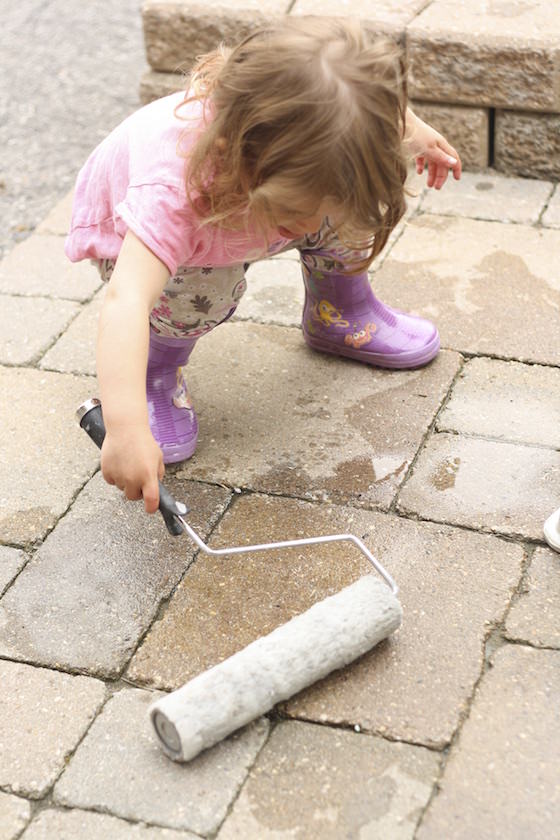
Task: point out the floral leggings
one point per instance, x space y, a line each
195 300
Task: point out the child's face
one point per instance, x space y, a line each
296 228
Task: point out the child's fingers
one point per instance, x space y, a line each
420 164
453 160
132 492
441 177
150 492
439 164
432 171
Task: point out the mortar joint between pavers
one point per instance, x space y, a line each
357 729
521 590
32 546
164 602
468 354
493 439
528 644
554 190
35 807
316 496
493 640
34 362
105 811
380 260
252 319
47 799
10 583
272 725
69 670
394 506
476 218
515 538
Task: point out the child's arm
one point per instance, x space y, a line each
130 457
427 146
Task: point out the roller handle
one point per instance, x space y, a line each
90 418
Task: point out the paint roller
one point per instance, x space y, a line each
329 635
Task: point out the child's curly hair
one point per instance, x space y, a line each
306 110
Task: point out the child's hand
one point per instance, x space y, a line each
429 147
132 460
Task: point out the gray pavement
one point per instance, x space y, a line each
448 730
70 73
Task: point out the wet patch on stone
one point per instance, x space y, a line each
444 477
491 290
313 781
304 424
483 484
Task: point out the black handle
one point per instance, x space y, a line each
90 418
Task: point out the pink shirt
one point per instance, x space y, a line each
135 180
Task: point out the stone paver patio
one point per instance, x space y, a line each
450 729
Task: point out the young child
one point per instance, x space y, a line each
299 137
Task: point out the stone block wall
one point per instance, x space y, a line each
484 72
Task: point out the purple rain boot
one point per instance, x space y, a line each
342 316
172 419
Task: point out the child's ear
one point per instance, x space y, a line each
221 144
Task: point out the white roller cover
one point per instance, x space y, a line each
328 636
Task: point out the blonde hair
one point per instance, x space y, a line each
306 110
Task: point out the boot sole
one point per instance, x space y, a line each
398 361
173 453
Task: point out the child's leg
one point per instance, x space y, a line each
342 315
194 301
173 421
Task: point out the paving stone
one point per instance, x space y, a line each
466 129
533 617
135 780
274 295
415 185
95 584
501 779
46 457
314 781
498 53
490 196
14 815
11 562
491 288
154 85
304 423
43 716
30 325
86 825
385 17
483 484
527 144
58 220
74 352
177 31
406 688
505 400
551 218
39 266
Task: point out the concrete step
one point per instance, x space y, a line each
486 72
